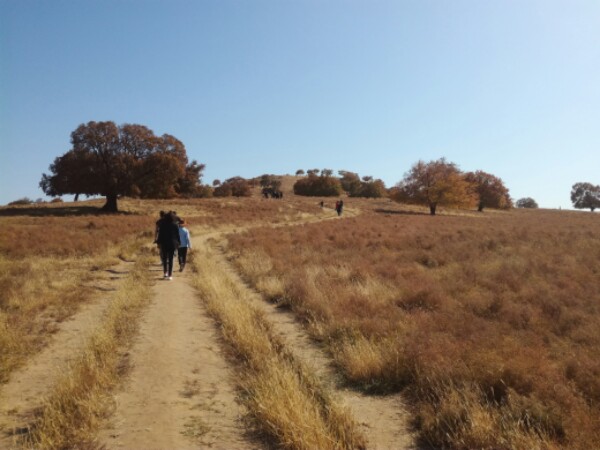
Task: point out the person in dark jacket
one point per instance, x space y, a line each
168 241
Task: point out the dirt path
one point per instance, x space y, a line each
27 386
178 393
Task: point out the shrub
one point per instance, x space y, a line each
318 186
527 202
21 201
236 187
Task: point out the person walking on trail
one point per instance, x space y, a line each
184 244
158 222
339 207
168 242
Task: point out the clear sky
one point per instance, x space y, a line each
257 86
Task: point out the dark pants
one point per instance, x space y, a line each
182 255
166 256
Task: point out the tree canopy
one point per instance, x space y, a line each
314 185
435 183
489 189
527 202
110 160
585 195
366 187
234 187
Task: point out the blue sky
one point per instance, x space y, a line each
253 87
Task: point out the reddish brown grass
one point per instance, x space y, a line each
490 322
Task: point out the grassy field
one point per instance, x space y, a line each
490 322
51 254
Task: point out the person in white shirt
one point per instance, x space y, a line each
185 243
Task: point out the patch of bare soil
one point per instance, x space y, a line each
25 390
178 394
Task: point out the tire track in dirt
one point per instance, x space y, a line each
23 394
178 394
383 419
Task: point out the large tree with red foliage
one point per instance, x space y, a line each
489 189
110 160
434 183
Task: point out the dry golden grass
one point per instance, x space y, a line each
491 322
48 266
51 255
285 401
72 411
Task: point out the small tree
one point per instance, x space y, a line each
527 202
436 183
585 195
371 188
300 172
21 201
270 181
216 182
350 182
190 185
236 187
318 186
490 190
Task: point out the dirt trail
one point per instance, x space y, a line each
25 390
383 419
178 393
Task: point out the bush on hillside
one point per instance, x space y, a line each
527 202
233 187
318 186
21 201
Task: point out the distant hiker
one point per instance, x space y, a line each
185 243
339 207
168 242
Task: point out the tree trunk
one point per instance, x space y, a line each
480 207
432 209
111 203
592 208
76 198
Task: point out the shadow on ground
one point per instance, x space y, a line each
399 212
58 212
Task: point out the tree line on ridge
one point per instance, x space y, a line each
130 160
